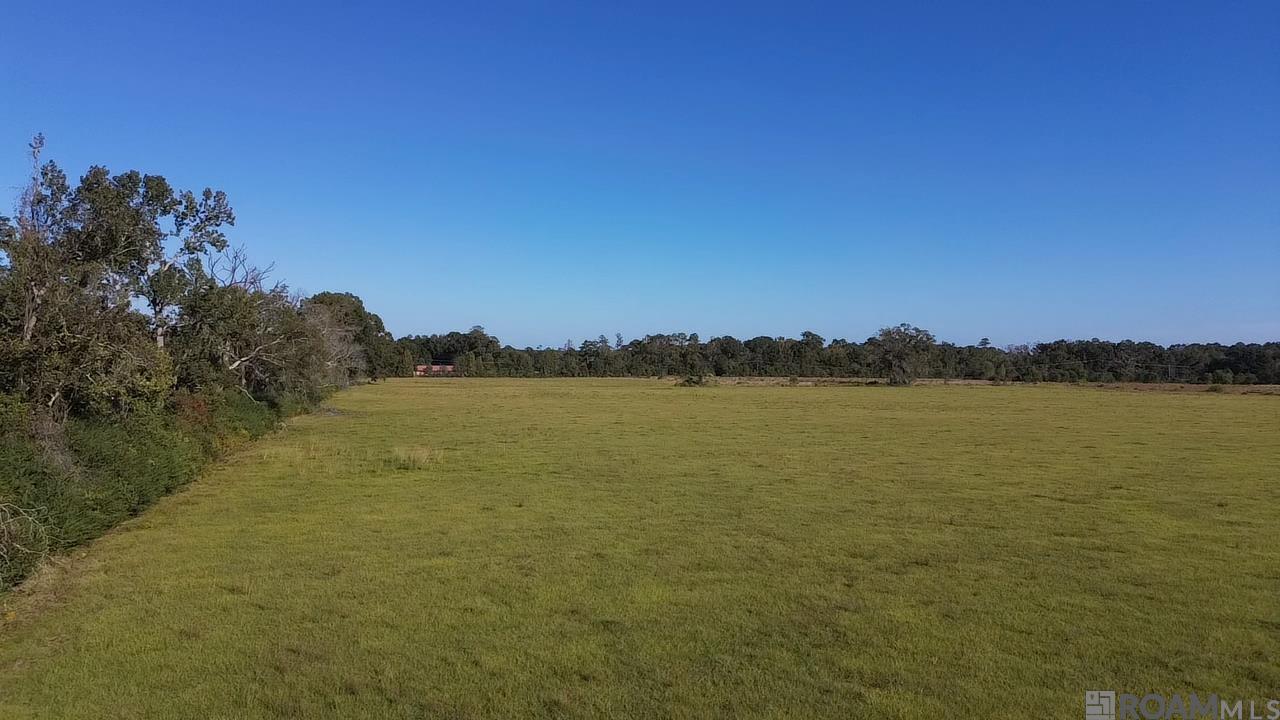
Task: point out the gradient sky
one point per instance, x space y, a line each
1022 171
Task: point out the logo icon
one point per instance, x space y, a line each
1099 705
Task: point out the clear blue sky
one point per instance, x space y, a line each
1023 171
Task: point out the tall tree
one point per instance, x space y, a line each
73 258
381 358
902 352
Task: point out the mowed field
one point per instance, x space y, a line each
626 548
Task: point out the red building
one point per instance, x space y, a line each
434 368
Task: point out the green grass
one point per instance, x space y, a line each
562 548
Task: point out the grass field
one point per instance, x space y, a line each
492 548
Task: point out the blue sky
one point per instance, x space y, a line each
1021 171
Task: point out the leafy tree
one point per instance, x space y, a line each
902 352
196 227
73 258
380 356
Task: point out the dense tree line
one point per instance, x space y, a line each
898 354
135 343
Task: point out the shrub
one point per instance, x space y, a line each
293 403
122 466
239 414
14 414
222 421
24 542
61 485
24 537
21 463
694 380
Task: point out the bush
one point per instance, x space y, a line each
696 380
23 535
293 403
21 463
236 414
222 421
69 483
122 467
24 542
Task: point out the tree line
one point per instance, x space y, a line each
897 354
136 343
